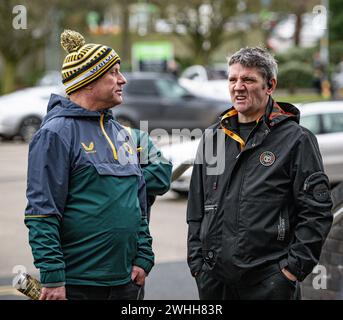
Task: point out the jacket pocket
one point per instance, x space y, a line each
117 170
283 226
208 222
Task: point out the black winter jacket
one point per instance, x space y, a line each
260 203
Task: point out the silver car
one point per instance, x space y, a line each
22 111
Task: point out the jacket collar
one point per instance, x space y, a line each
59 106
275 113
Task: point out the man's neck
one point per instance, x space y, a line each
85 102
250 118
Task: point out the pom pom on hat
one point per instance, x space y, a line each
71 40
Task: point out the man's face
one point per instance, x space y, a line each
108 89
248 89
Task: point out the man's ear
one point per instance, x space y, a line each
271 86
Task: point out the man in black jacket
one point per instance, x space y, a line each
259 206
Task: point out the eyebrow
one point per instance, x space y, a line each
114 68
244 78
249 78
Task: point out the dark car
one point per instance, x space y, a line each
161 100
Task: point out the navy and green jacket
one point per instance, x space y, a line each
157 170
86 210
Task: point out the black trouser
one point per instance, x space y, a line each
129 291
274 286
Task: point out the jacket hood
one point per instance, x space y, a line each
59 106
279 111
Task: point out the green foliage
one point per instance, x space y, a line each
298 97
336 20
336 52
295 74
184 62
303 55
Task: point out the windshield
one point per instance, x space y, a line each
171 89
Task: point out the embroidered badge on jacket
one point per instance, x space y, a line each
267 158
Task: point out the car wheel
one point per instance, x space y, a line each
126 122
29 127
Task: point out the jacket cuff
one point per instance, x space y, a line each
293 269
195 270
144 264
54 278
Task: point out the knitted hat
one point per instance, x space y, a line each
85 62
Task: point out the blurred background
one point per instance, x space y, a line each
159 35
174 56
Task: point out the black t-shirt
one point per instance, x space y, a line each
245 129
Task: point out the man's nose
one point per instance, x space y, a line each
122 79
239 85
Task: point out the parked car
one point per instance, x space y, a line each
324 119
21 112
206 81
164 103
50 78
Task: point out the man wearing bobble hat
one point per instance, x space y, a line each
86 210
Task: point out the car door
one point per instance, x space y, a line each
331 145
141 102
182 109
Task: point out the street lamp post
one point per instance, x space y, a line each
324 49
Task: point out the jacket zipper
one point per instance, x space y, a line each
240 186
107 137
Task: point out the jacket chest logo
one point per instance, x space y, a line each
267 158
89 148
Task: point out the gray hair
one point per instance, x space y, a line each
257 58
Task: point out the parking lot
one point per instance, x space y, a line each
170 278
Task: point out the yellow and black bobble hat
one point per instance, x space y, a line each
85 62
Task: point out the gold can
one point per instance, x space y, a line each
28 285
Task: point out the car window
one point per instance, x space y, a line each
143 87
311 122
170 89
217 75
333 122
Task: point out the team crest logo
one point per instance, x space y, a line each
127 148
267 158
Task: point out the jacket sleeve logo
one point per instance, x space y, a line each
89 148
267 158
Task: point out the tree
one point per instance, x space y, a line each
124 6
335 31
204 23
298 7
16 43
336 20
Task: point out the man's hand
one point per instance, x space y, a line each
138 275
289 275
57 293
